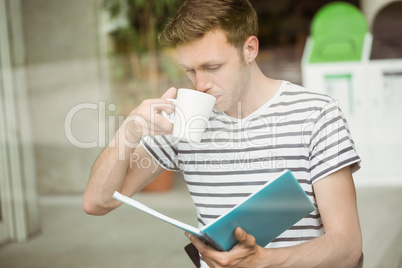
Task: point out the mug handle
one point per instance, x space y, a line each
170 117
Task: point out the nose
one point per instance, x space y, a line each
202 81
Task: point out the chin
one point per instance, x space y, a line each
221 106
218 108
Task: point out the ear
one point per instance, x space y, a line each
251 47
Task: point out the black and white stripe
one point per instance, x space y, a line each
298 130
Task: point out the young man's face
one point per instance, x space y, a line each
216 67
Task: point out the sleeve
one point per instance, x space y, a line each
162 150
331 145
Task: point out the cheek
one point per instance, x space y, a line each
232 83
227 81
228 99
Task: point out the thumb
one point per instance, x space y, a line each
244 237
170 93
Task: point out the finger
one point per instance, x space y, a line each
170 93
203 249
195 241
158 125
163 125
156 106
244 238
212 257
166 107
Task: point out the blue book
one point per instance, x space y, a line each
265 214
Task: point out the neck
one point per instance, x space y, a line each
261 89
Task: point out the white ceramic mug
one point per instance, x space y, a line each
191 115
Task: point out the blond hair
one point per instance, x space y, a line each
237 18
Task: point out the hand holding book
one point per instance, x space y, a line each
265 214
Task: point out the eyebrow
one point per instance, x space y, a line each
202 65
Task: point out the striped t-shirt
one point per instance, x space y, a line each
297 129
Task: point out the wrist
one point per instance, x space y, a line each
129 133
273 257
123 144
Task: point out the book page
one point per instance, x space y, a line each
150 211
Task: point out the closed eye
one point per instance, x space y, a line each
190 71
212 67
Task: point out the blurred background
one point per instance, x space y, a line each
71 70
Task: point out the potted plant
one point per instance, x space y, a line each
164 182
140 69
139 65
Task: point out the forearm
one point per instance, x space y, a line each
329 250
108 175
112 171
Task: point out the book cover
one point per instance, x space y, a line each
265 214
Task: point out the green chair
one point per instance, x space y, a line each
338 30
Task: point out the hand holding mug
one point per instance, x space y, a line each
191 114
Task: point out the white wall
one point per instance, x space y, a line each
64 69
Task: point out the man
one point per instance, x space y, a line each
259 127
